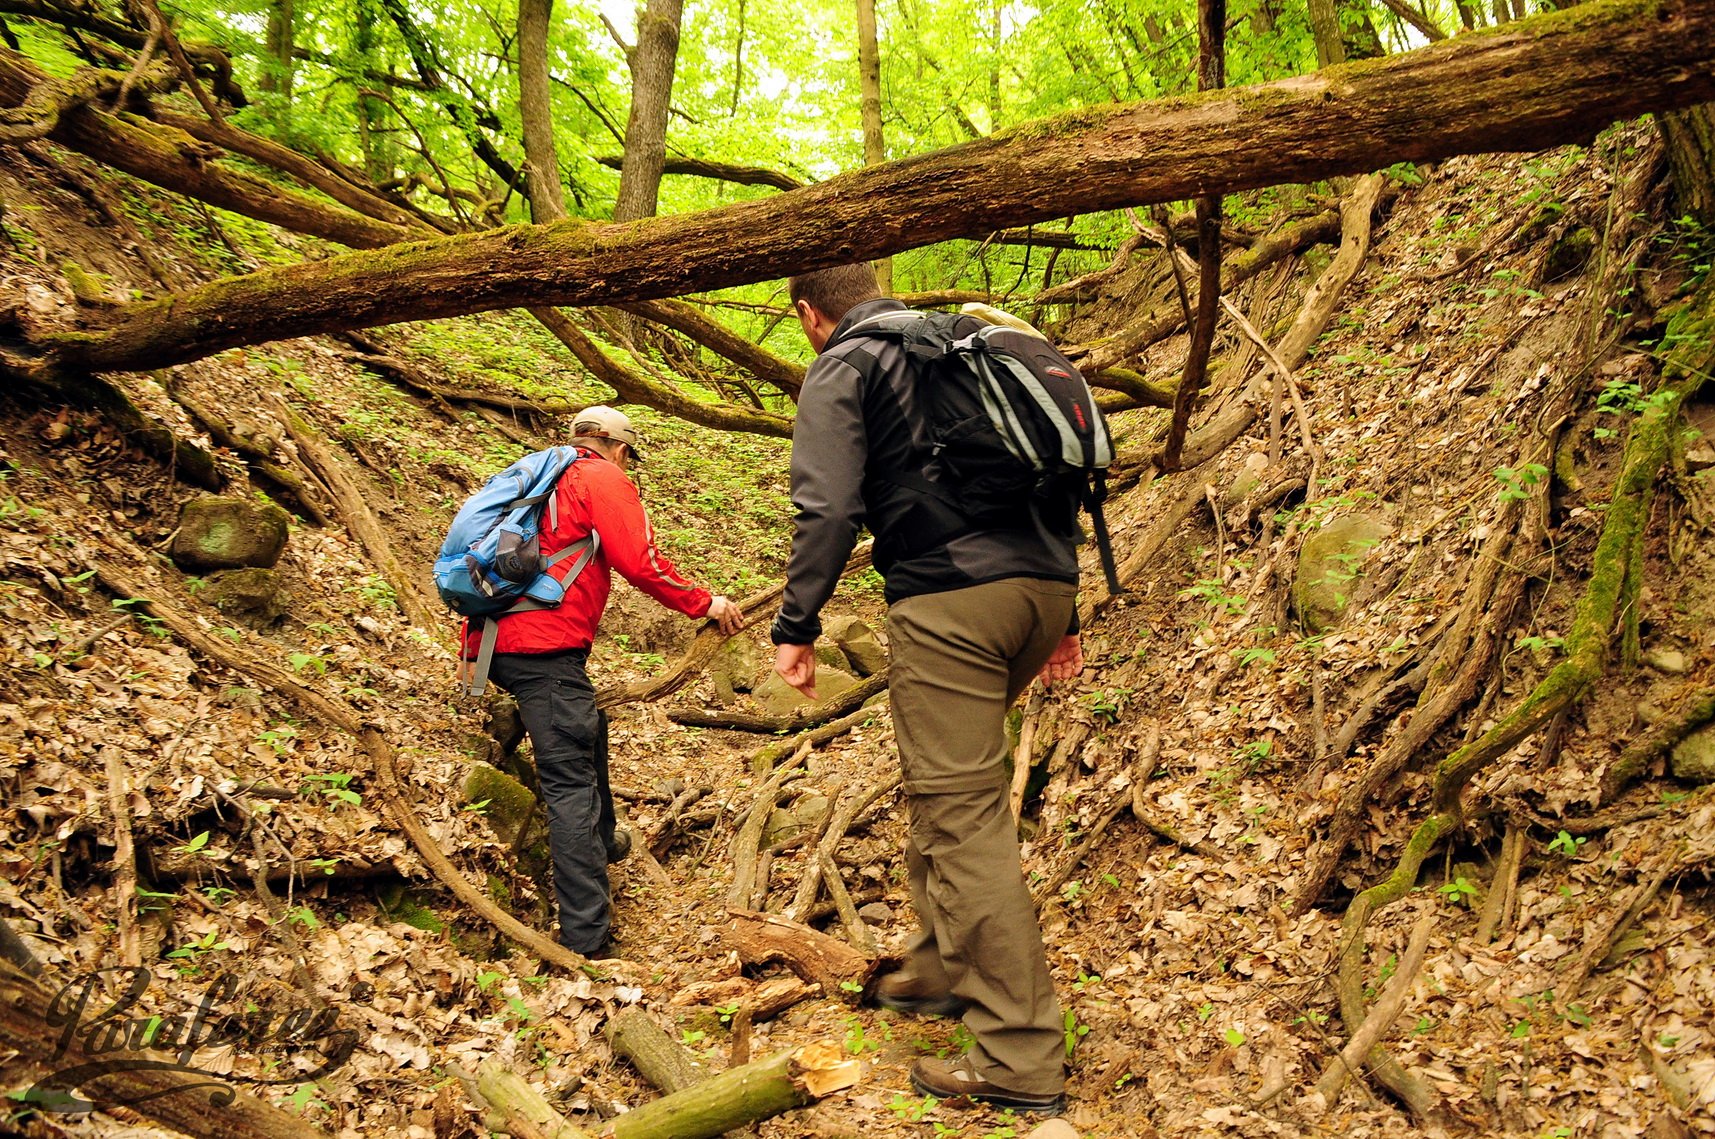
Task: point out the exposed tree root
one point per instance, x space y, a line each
1600 941
1586 648
1456 671
1381 1017
805 716
1502 900
838 822
285 481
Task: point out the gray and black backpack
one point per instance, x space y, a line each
1012 423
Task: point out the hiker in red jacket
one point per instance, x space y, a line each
540 657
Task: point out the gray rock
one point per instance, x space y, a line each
250 592
830 656
775 697
859 644
1694 756
228 533
877 912
1667 661
737 664
788 822
1328 567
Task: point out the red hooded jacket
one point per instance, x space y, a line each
594 494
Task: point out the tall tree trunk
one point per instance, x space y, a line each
1534 84
536 109
277 69
869 83
1690 137
1325 28
653 61
738 61
370 112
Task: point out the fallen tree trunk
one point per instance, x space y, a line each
761 939
743 1095
664 1062
1532 84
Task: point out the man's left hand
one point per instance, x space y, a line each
726 614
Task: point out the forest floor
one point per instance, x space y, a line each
1195 1003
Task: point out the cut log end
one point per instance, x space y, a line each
822 1068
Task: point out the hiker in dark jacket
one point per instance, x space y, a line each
540 658
974 615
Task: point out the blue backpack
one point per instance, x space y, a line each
491 563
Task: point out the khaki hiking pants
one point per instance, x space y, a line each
959 660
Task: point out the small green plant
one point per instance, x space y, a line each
149 901
1252 755
1516 484
192 952
850 987
218 894
1072 891
304 916
301 661
195 845
912 1110
691 1037
857 1043
727 1012
1541 644
1075 1031
1248 657
1107 704
1460 891
335 786
1564 843
1233 1036
1211 592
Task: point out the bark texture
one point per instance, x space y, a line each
653 62
1533 84
537 111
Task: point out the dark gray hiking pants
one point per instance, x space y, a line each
568 734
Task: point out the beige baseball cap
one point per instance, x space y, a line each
603 422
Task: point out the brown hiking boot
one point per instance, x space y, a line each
954 1080
902 993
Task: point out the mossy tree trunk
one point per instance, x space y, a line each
1534 84
1690 138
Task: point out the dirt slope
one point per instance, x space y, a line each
1474 372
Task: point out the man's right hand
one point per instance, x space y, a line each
796 665
726 614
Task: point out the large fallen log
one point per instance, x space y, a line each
736 1098
1532 84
